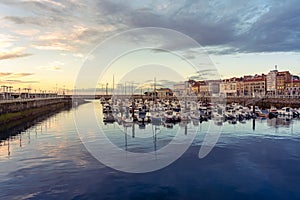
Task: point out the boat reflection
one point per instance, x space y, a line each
280 122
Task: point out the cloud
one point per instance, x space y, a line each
15 75
5 73
73 39
54 46
11 78
51 68
229 26
149 84
52 3
27 32
19 75
11 55
205 74
276 30
19 81
6 40
222 27
14 53
49 21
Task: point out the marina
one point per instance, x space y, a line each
149 100
166 111
48 160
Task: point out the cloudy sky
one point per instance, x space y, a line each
44 43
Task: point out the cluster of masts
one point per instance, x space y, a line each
169 112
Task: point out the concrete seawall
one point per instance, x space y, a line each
15 111
266 102
11 106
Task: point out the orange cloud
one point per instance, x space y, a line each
14 53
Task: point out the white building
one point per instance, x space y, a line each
271 82
179 89
228 88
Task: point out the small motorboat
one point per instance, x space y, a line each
273 113
109 118
263 114
285 111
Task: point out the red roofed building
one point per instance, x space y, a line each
231 86
255 85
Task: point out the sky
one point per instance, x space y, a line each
44 44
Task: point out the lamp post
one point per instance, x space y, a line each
106 89
9 91
25 91
4 91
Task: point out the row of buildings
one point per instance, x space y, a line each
274 83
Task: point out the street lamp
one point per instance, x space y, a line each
63 90
29 89
106 89
9 90
4 88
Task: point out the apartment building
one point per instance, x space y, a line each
255 85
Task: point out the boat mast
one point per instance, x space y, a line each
113 89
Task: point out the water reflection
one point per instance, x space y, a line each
21 138
280 122
23 131
47 160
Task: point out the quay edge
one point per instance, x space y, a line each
262 102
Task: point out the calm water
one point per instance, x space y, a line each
48 161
